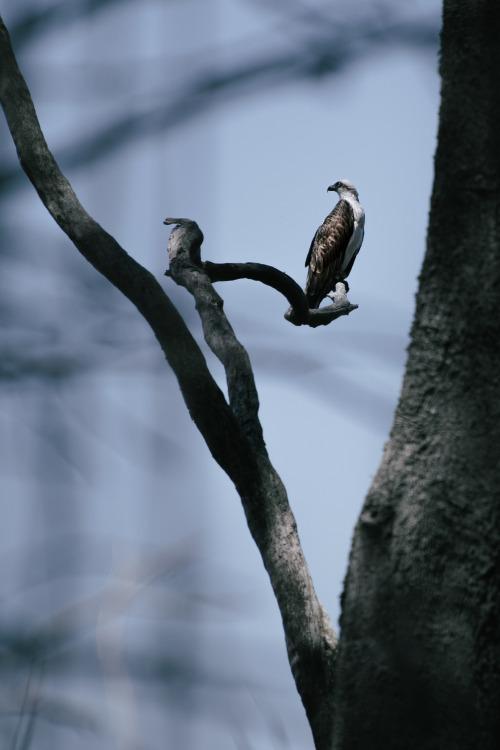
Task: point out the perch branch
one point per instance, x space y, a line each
298 313
267 275
324 315
234 443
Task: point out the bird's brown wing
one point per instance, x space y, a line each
327 251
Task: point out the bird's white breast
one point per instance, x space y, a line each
358 233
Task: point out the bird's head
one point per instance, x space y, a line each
344 187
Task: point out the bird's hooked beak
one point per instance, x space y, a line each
331 188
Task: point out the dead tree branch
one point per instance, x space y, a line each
298 313
232 431
267 275
185 268
324 315
310 637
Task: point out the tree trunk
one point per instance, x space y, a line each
419 657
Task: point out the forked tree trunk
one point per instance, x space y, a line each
419 660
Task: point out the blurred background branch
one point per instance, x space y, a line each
315 42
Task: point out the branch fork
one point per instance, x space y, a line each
185 243
310 637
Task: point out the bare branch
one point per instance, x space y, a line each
324 315
203 397
298 312
267 275
185 268
310 636
232 432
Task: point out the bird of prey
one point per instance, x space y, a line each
335 245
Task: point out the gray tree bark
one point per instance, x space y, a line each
419 654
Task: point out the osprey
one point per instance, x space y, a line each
335 244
